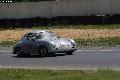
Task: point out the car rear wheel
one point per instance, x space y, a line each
70 53
19 52
43 51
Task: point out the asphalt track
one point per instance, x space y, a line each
80 60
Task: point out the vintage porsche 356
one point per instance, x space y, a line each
43 42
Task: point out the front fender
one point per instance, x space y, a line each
45 43
19 44
14 47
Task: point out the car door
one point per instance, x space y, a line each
24 41
30 44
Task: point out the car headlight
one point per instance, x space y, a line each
72 42
53 44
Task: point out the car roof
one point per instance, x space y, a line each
38 31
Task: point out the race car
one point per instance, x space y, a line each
43 42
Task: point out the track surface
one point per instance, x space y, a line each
80 60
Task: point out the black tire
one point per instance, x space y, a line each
19 52
43 51
69 53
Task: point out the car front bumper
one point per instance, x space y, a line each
62 49
14 50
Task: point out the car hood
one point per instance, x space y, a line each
58 40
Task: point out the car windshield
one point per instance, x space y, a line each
45 34
48 34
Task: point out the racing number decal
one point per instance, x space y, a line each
28 46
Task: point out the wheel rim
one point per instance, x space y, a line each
43 51
19 51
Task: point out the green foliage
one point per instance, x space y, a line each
107 26
26 74
7 43
110 41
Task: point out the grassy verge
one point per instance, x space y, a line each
109 41
8 43
26 74
107 26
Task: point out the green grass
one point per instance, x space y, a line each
110 26
110 41
105 26
7 43
27 74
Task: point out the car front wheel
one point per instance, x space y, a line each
19 52
43 51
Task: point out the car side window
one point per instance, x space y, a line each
24 38
30 36
38 36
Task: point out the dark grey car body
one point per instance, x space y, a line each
32 42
